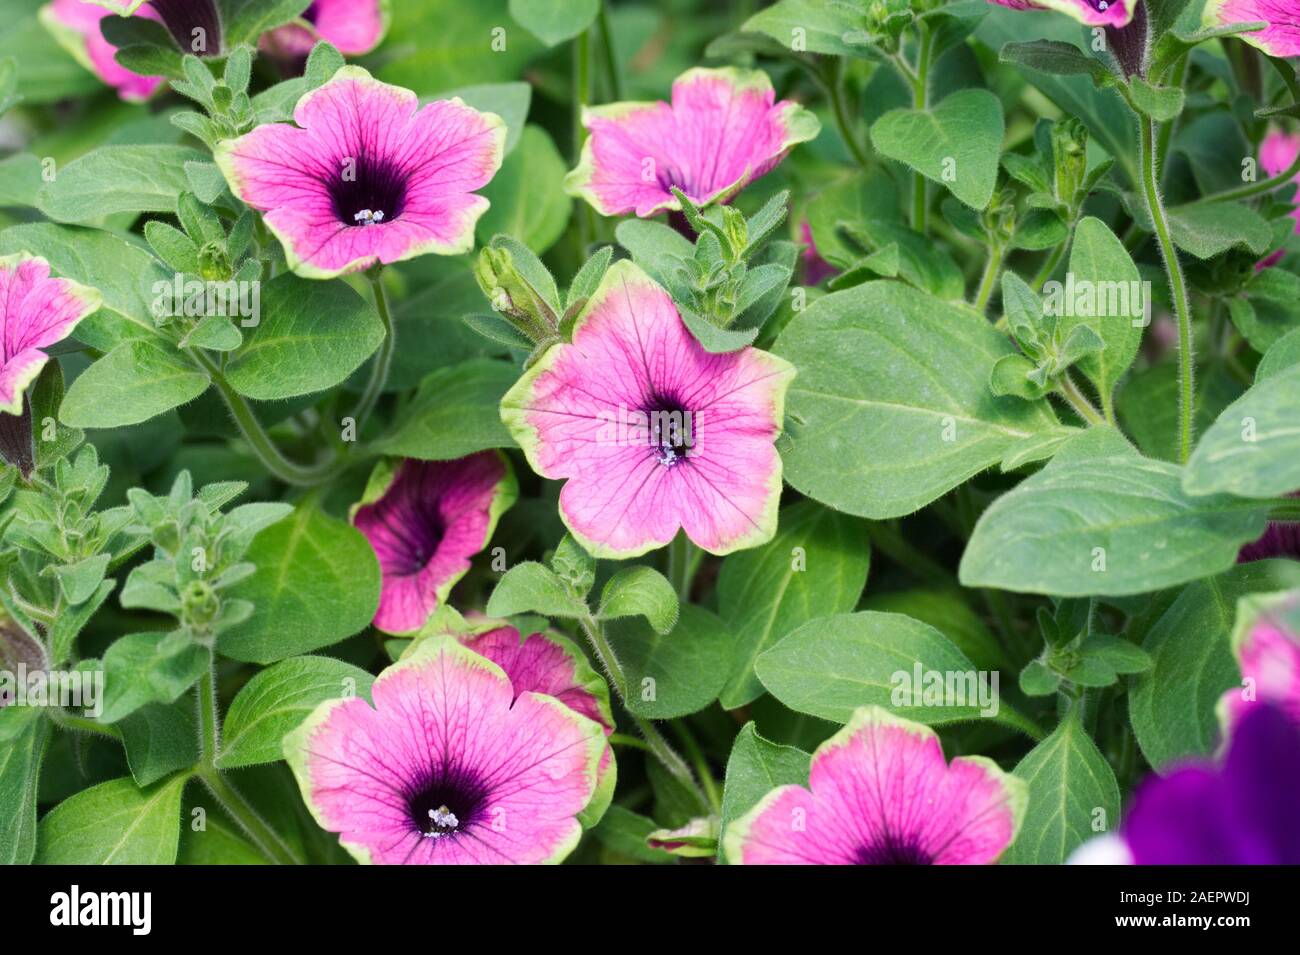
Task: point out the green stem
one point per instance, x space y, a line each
383 358
835 92
920 94
611 62
82 725
1077 400
655 741
696 756
1177 288
1167 130
259 441
581 97
1050 264
989 279
263 836
683 559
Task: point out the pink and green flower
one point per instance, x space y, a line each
36 311
652 433
880 793
354 27
722 130
425 520
1280 38
550 663
76 26
365 176
1095 13
450 766
1266 642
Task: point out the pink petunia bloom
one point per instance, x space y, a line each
365 177
425 520
652 432
1097 13
1276 154
1267 645
76 26
722 130
354 27
1280 38
36 311
550 663
451 766
195 25
881 794
815 269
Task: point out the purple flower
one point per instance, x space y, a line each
722 130
365 177
1114 13
425 520
1242 812
653 433
354 27
195 25
76 26
1280 38
451 766
880 793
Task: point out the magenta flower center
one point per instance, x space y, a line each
891 850
446 801
420 530
184 17
368 193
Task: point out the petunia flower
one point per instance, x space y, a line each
652 432
195 25
354 27
1281 38
425 520
815 269
1240 813
880 793
1097 13
722 130
548 662
1276 154
1267 645
36 311
365 177
451 765
76 26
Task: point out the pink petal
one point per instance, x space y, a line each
75 24
1281 38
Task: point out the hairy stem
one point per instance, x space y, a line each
1177 288
920 95
992 267
835 92
611 62
383 358
1077 400
683 559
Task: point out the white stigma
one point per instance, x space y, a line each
1103 6
367 217
444 819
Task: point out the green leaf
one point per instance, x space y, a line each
323 62
1073 796
135 381
317 582
172 246
1148 406
1282 355
677 673
815 26
1055 57
277 700
554 21
831 666
245 20
640 591
951 615
1161 103
623 833
114 823
70 623
454 413
756 767
160 738
20 770
527 194
955 144
143 668
1172 705
79 581
510 101
118 179
1116 307
530 587
1107 524
816 565
1212 228
891 408
1253 447
214 332
311 336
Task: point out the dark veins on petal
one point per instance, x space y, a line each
183 17
367 192
445 800
411 514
